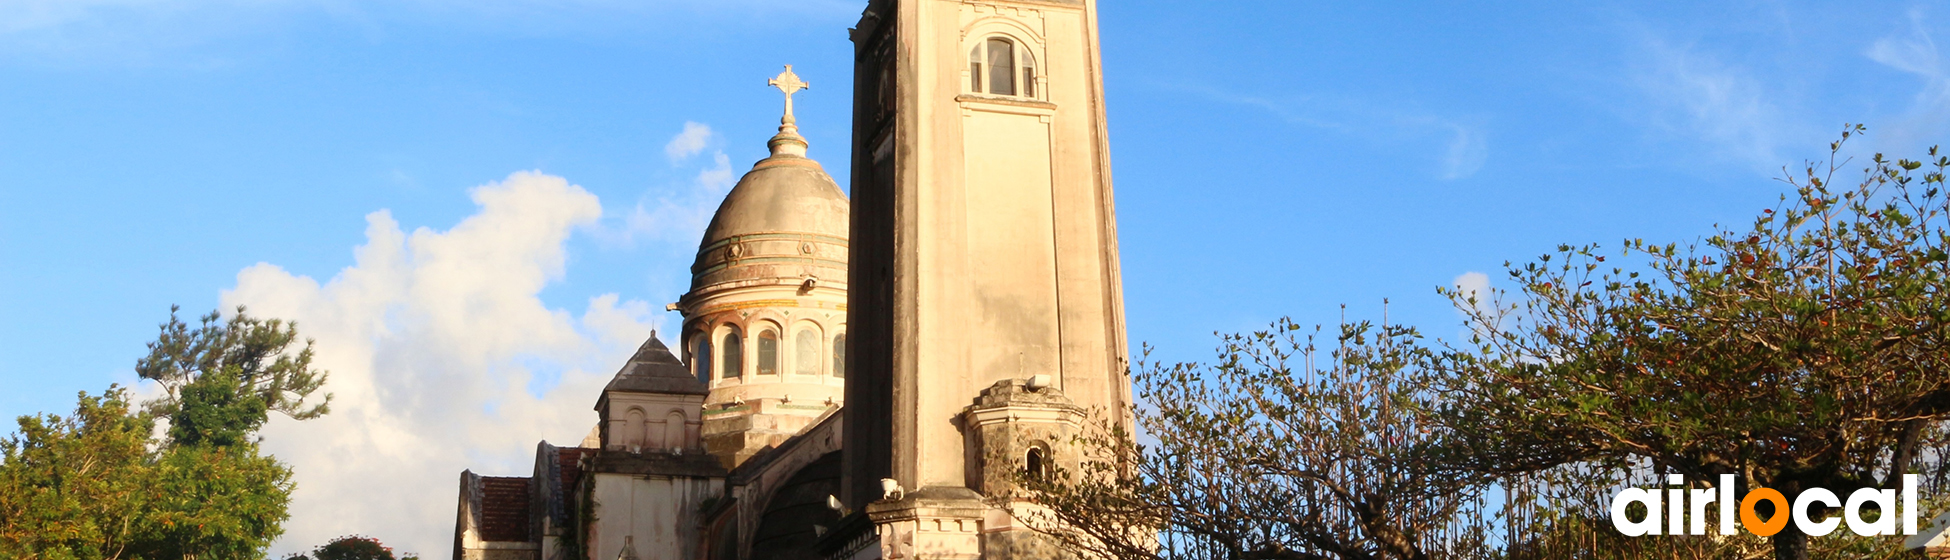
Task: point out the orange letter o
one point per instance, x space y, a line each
1752 521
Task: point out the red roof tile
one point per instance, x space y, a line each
504 508
570 460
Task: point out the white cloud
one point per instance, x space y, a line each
1695 95
1916 53
679 216
1474 285
718 178
689 142
433 340
1465 155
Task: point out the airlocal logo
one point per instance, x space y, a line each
1676 500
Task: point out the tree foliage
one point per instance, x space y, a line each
1810 349
72 487
1278 450
216 502
97 485
216 409
257 352
351 547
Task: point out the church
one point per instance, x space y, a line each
863 378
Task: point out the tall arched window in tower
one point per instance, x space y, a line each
701 359
996 64
805 350
1002 66
734 355
1036 463
768 352
839 356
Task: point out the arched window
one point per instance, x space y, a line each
805 349
734 356
975 69
839 356
1028 64
1036 463
996 65
768 352
701 359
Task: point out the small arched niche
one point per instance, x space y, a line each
674 436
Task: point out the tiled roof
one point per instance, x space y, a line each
504 508
570 460
655 370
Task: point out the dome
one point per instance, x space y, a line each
786 219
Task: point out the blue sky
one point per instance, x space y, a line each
482 205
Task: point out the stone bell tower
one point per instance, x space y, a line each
984 261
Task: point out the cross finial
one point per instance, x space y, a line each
789 83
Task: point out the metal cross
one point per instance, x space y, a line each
789 83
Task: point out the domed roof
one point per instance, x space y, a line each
783 193
786 219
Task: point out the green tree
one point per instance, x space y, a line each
216 409
214 502
74 487
257 352
352 547
1811 349
1278 450
95 485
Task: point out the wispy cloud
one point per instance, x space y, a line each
1916 52
1736 114
689 142
1457 147
1466 153
434 340
677 214
681 215
1474 285
1473 289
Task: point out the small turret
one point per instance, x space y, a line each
652 405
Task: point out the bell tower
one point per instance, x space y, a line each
984 258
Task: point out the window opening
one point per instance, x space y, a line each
807 349
1034 465
839 356
975 69
1028 75
734 356
768 353
701 359
1002 67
